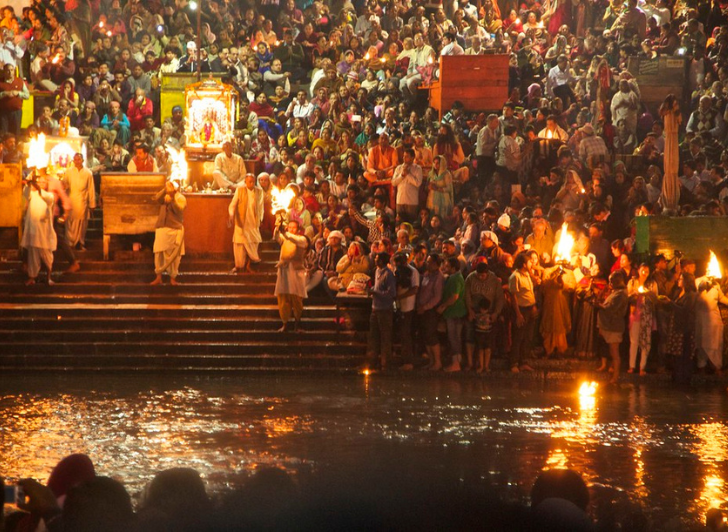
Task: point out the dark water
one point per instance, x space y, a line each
664 449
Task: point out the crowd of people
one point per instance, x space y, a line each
76 498
453 221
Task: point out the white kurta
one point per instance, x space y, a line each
38 229
709 326
291 272
82 193
247 227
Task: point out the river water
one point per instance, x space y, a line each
663 449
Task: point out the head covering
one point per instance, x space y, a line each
504 220
336 234
69 472
588 129
490 235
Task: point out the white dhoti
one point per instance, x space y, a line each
36 256
169 246
39 238
244 251
247 211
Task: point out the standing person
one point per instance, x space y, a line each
169 235
453 310
229 168
408 284
488 138
428 298
408 178
291 279
246 212
642 292
683 329
381 321
556 320
59 219
482 284
440 195
520 286
13 91
610 320
39 238
83 199
709 325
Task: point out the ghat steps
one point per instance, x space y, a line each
107 317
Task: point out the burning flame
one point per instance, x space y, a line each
430 60
587 396
55 59
714 267
565 245
101 24
641 289
518 21
179 166
366 56
549 134
588 389
37 156
282 199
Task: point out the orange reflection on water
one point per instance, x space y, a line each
711 449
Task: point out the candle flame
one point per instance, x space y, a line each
518 21
429 59
565 245
108 33
714 267
549 134
55 59
101 24
641 289
366 56
282 199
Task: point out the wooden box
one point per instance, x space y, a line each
128 204
479 82
659 77
11 197
693 236
206 225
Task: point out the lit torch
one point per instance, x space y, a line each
179 166
281 199
37 156
565 246
714 271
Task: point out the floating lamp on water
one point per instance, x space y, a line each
587 395
588 389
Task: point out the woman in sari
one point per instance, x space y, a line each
440 191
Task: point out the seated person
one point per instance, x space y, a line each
382 161
229 168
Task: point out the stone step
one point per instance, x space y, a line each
174 335
82 348
59 310
81 285
192 266
192 362
141 322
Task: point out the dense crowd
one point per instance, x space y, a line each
455 221
76 498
